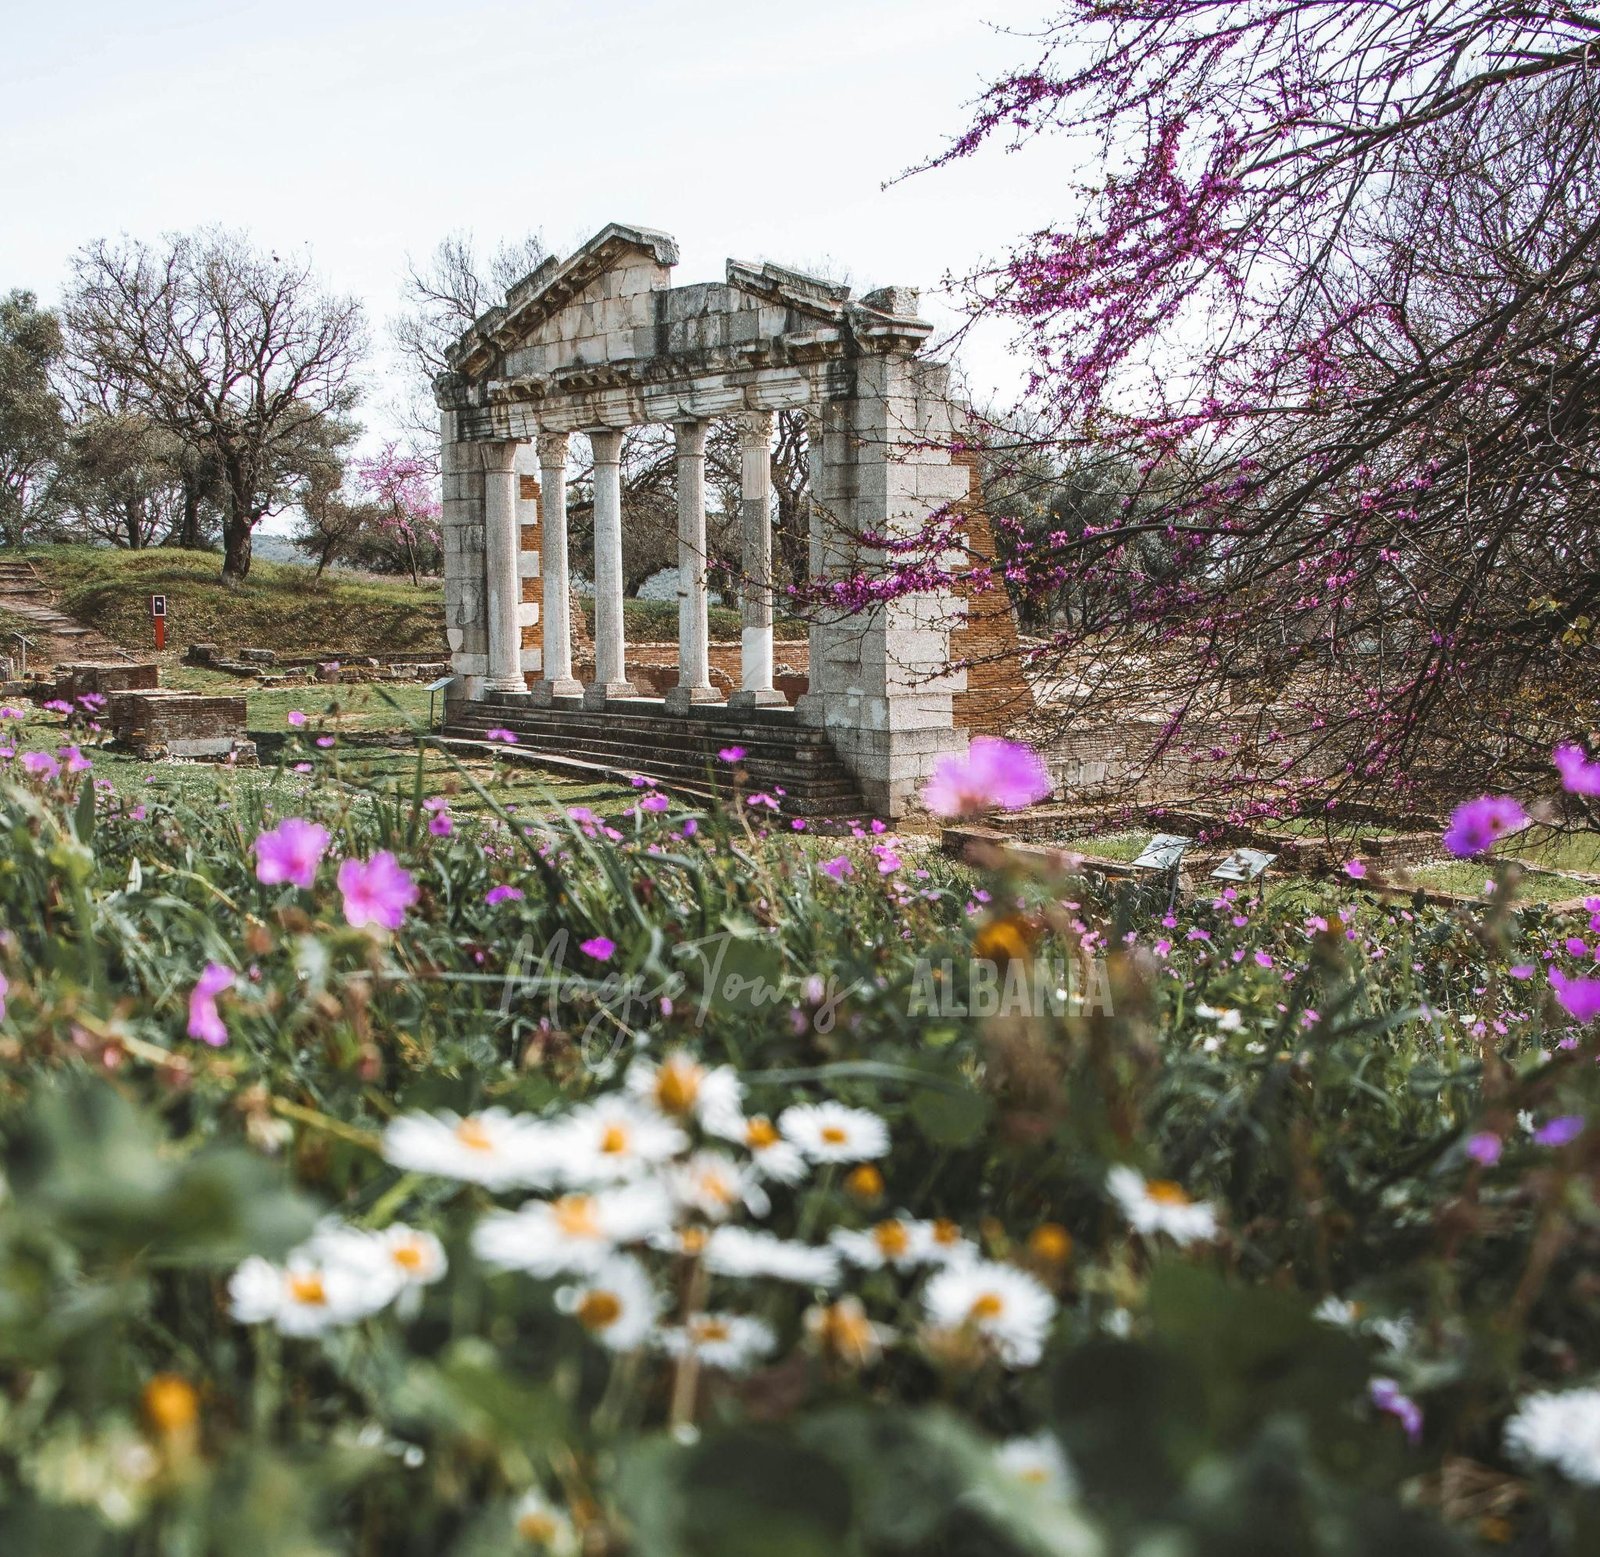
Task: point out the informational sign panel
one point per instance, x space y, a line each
158 616
1163 852
1243 865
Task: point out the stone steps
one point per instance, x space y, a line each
678 752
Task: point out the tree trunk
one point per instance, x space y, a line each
236 548
189 536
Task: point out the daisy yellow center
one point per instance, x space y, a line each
1035 1475
692 1240
710 1330
599 1310
715 1187
946 1233
306 1287
1050 1241
534 1526
677 1086
759 1134
988 1305
614 1140
575 1216
834 1135
409 1256
892 1239
1165 1193
171 1403
473 1136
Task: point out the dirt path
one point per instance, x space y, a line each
53 637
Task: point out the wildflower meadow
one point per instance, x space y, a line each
379 1181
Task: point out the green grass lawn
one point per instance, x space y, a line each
281 606
1110 846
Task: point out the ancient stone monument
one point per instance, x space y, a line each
602 341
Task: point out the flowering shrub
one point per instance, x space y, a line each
611 1184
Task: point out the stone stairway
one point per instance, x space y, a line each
677 752
53 637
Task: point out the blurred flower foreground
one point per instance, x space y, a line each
379 1180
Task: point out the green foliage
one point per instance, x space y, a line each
1316 1090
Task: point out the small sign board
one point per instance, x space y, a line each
440 684
158 605
1243 865
1163 852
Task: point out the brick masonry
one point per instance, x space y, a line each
178 724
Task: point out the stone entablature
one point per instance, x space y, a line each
603 341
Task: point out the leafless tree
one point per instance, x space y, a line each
240 355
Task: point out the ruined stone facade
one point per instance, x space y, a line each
602 341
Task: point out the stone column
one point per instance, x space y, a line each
610 647
558 678
755 513
502 548
694 657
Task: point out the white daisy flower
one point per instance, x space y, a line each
1037 1462
617 1305
731 1342
1160 1206
404 1257
1560 1429
830 1132
1340 1312
305 1295
901 1242
1007 1307
743 1251
680 1087
613 1138
543 1526
946 1243
492 1148
774 1157
714 1186
576 1233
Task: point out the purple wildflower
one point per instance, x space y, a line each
1580 998
205 1021
1579 776
1560 1131
502 894
290 852
601 947
376 891
1480 824
993 774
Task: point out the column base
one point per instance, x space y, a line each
598 693
544 693
758 697
506 684
681 699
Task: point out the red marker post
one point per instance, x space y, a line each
158 617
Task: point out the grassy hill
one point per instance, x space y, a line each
282 606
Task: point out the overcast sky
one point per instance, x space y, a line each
366 129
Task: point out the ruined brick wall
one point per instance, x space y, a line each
997 694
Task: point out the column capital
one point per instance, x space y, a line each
690 433
606 443
499 455
755 428
553 448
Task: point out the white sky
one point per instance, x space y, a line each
366 129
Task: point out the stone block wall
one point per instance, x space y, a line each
183 724
881 680
73 681
465 588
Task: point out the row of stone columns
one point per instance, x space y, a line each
502 544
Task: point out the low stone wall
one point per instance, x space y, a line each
166 722
74 681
